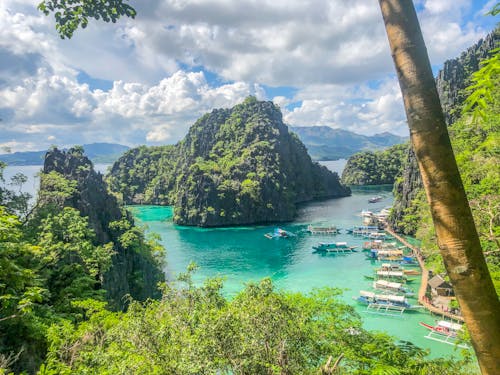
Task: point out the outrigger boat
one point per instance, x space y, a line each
393 287
379 244
397 276
376 199
334 247
322 230
375 254
397 267
385 303
362 229
377 236
445 332
279 233
409 262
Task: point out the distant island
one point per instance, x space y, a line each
105 153
326 143
235 166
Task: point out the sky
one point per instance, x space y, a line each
146 80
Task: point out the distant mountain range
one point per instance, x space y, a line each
325 143
97 152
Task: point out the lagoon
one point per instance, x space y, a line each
243 254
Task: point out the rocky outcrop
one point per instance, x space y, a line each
235 166
132 272
450 81
456 75
375 168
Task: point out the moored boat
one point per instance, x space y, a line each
392 286
322 229
396 255
334 247
384 303
397 267
279 233
445 332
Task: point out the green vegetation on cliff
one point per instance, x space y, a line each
375 168
76 245
235 166
477 149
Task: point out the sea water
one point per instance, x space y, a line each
243 254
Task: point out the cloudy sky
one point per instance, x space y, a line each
145 81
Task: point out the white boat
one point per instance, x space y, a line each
322 229
385 304
334 247
445 332
392 286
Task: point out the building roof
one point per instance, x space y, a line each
438 282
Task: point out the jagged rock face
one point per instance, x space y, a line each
456 74
93 201
405 190
237 166
450 82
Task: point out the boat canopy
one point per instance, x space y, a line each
391 273
382 297
449 325
386 284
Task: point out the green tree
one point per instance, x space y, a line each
195 330
72 14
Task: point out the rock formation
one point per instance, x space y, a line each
450 82
132 272
235 166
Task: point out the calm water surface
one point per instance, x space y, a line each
243 254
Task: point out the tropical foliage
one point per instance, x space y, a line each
375 168
196 330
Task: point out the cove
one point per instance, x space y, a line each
243 254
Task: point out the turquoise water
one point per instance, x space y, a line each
242 254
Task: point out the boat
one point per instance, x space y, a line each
398 276
445 332
334 247
377 236
395 255
385 304
360 229
279 233
375 199
397 267
393 287
322 230
409 262
368 217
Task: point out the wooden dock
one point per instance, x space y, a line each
422 299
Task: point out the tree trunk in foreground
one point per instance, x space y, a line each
457 236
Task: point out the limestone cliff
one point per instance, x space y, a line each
235 166
133 271
450 82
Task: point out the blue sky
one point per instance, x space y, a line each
145 81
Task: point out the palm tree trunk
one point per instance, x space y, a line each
457 236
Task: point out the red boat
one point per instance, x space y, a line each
445 332
443 328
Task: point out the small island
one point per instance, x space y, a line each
235 166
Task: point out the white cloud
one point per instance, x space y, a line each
358 108
327 50
52 107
